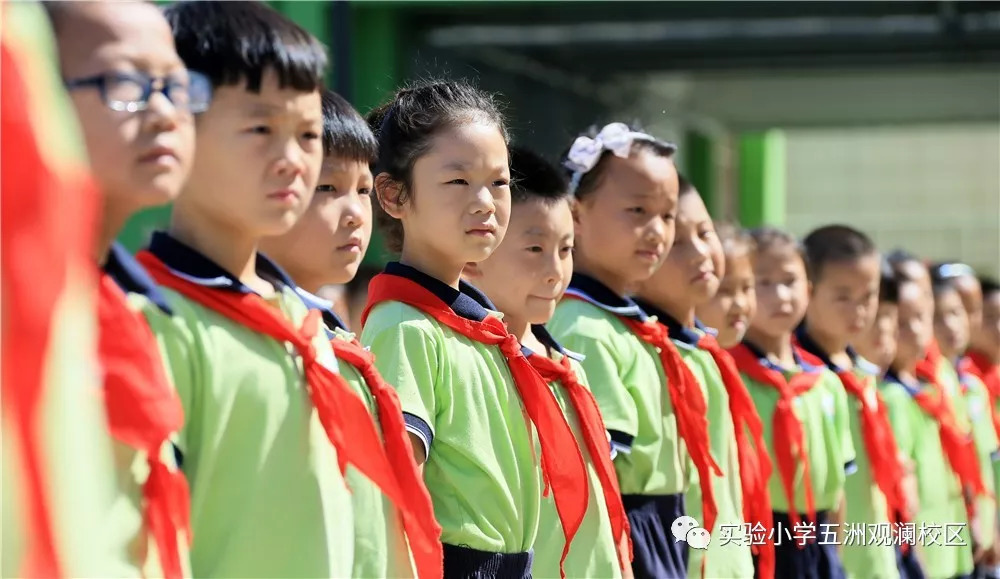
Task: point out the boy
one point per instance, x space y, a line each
326 247
730 310
877 344
804 410
924 424
690 277
844 274
265 443
136 103
525 277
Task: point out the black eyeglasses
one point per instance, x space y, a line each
131 91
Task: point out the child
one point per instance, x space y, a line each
730 310
844 274
57 468
135 100
525 277
951 328
927 434
877 344
625 187
804 410
983 355
963 279
690 277
442 181
270 429
326 247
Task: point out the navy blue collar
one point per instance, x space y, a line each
912 387
464 303
191 265
595 292
132 277
677 331
762 356
809 345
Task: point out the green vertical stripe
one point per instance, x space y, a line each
762 178
699 162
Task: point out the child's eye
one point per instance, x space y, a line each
636 210
500 183
261 130
535 249
364 191
457 182
326 189
668 216
310 135
567 249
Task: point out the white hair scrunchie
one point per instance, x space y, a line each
586 152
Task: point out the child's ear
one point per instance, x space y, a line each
575 207
388 191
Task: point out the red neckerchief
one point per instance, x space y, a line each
959 447
342 413
562 463
143 411
422 531
689 405
977 364
880 443
755 464
47 213
594 435
787 426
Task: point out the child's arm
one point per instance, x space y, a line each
623 549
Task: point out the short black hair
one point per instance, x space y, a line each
234 42
405 126
345 132
888 287
767 237
835 244
990 285
898 258
532 177
588 181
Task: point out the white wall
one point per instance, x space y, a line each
933 189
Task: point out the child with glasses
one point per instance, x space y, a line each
135 100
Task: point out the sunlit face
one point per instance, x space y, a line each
139 159
988 338
259 158
972 300
915 323
877 344
327 244
689 275
459 206
845 298
734 305
782 291
528 273
625 227
951 324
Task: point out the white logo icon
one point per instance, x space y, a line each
698 538
681 526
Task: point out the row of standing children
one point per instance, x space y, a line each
547 405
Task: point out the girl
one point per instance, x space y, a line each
804 410
626 188
476 410
732 307
690 276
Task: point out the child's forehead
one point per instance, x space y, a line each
271 101
102 35
783 257
542 218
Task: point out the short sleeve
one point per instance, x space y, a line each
603 372
406 356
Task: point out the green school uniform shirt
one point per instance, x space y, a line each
823 412
630 387
594 552
866 504
722 558
267 495
380 547
938 491
458 395
947 376
977 403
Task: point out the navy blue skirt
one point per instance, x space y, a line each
656 554
813 560
907 563
466 563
